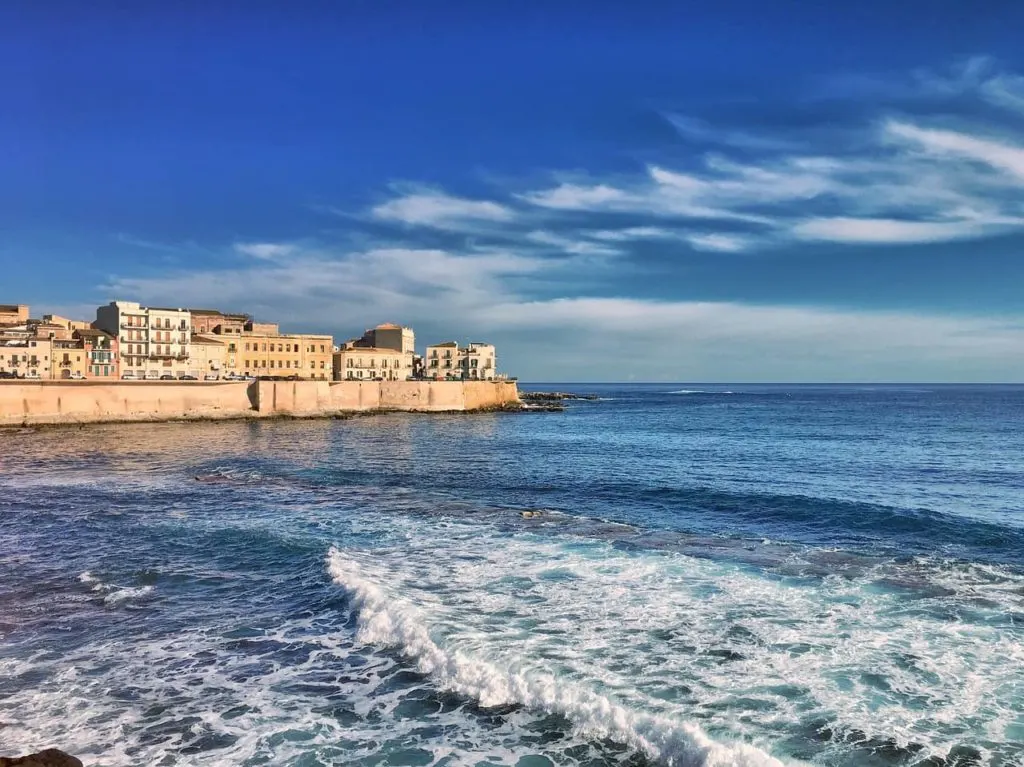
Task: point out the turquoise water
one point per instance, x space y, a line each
719 575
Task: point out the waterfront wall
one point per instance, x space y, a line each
43 402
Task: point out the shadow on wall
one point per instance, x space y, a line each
253 392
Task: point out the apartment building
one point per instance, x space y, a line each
475 362
355 363
152 341
26 357
100 348
209 357
284 354
70 359
13 314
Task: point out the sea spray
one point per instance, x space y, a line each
384 620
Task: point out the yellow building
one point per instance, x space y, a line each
266 354
70 360
13 314
355 363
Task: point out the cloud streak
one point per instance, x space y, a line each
440 210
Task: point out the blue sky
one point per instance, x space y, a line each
739 191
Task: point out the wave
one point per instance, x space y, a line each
382 620
699 391
113 594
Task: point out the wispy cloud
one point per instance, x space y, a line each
495 294
999 155
437 209
268 251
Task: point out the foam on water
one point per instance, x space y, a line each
384 620
113 594
918 657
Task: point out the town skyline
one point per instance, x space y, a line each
601 207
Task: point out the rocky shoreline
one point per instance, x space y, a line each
554 396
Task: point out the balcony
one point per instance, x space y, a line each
171 356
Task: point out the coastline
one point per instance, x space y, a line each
28 405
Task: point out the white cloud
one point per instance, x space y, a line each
1000 155
721 243
635 233
572 246
577 197
436 209
493 295
266 251
880 230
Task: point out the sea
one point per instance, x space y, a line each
670 574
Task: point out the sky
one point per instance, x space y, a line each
643 191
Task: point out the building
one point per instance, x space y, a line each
207 322
152 341
388 336
101 352
354 363
70 359
69 325
13 314
475 362
284 354
210 356
26 357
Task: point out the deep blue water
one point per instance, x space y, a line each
718 575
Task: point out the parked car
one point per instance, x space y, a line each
211 377
166 377
187 377
8 374
77 376
152 375
32 374
128 376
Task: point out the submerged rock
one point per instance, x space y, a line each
51 757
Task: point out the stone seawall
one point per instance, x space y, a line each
55 402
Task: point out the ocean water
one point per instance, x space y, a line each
718 575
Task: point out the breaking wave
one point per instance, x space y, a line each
386 621
113 594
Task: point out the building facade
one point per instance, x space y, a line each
13 314
101 352
207 322
305 356
209 356
27 357
355 363
475 362
152 341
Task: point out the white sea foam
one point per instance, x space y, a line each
699 391
384 620
113 594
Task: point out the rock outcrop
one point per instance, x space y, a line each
51 757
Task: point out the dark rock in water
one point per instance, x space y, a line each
553 396
51 757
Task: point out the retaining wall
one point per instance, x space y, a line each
41 402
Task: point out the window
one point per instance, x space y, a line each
280 347
322 365
247 347
264 347
288 364
321 348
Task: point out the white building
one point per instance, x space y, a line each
153 341
475 362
